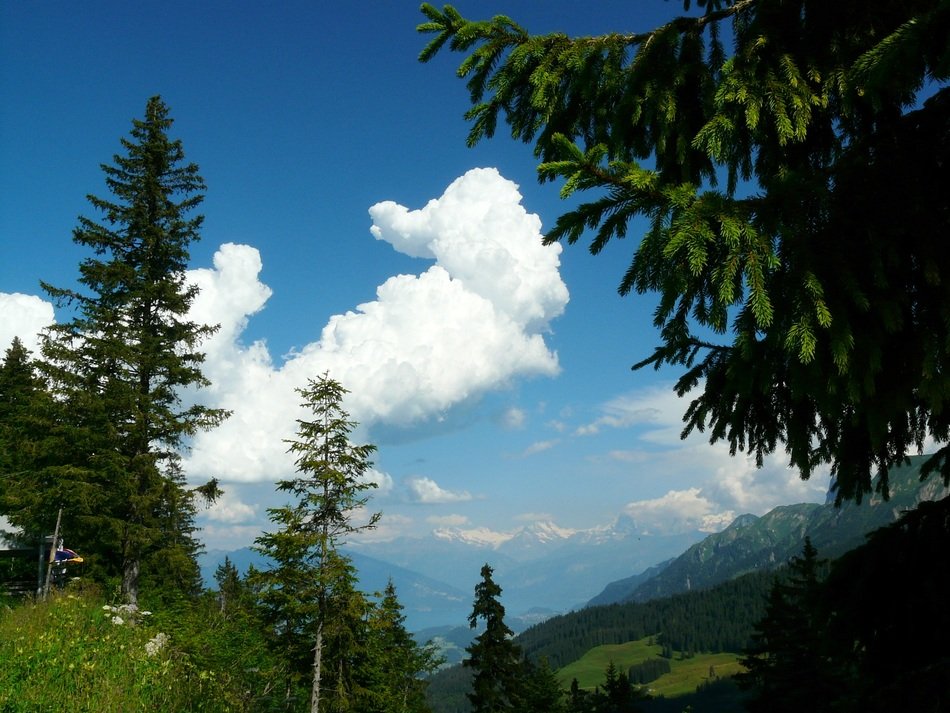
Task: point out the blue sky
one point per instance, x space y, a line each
493 374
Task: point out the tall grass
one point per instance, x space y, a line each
75 653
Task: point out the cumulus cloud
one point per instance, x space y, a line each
382 481
427 491
229 509
678 511
23 316
471 323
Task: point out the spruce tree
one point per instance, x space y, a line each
540 691
493 656
396 663
787 173
309 593
231 589
788 667
25 443
120 364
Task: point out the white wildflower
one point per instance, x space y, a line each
156 644
118 620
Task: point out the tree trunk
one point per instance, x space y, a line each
130 582
317 656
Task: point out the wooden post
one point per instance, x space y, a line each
52 554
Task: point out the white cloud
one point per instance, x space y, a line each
383 481
539 446
23 316
469 324
479 233
629 456
678 511
427 491
225 536
534 517
228 509
389 527
711 486
513 418
647 407
447 520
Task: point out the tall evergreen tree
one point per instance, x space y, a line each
790 172
119 365
310 591
30 493
788 666
493 656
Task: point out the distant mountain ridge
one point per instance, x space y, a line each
751 543
426 601
539 565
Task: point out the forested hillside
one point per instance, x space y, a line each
764 543
718 619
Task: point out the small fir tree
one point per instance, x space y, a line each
309 594
396 663
493 656
540 691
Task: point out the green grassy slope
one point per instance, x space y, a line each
685 677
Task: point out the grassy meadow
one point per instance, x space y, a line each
685 677
75 652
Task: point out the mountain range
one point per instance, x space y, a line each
539 565
754 543
543 569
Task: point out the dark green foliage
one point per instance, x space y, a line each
886 615
616 695
718 696
790 175
713 620
493 656
448 690
396 661
26 411
495 675
648 670
230 642
786 663
540 691
119 365
871 637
